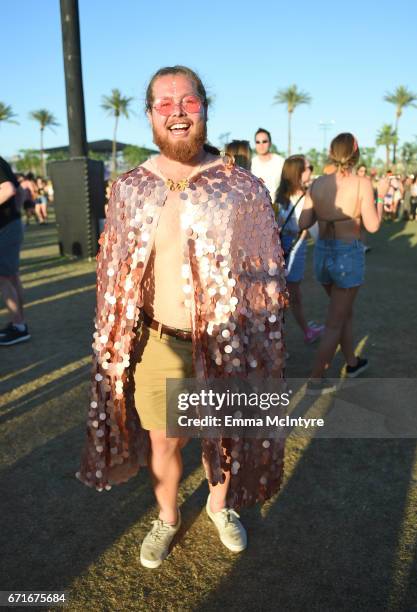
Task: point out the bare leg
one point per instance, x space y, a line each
12 297
340 309
44 212
346 342
165 464
19 290
38 213
296 303
30 212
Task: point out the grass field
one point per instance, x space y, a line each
341 535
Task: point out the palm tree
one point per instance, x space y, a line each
45 119
116 105
402 97
6 114
409 154
29 161
385 138
292 98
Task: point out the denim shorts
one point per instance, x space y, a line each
339 262
295 262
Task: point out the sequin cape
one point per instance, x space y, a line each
234 278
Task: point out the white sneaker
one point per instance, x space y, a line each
155 546
232 532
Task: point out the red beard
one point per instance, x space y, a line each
181 151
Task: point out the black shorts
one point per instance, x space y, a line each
29 205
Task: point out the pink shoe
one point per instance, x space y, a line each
313 334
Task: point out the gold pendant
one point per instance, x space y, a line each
179 186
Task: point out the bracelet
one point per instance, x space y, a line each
379 200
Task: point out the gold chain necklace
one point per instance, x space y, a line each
181 185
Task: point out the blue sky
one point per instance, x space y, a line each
346 55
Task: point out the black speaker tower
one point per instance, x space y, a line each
79 204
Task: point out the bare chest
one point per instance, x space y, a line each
168 232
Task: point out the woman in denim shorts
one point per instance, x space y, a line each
289 200
341 202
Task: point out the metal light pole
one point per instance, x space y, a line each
325 126
78 181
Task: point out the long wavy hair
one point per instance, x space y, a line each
291 182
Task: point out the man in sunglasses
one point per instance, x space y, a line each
190 283
266 165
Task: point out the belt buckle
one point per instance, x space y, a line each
182 334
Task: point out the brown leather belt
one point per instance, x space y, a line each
181 334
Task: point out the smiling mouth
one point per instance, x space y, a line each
179 129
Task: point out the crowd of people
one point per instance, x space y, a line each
336 210
33 195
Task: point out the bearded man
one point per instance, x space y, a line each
190 282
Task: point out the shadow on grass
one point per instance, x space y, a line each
46 279
35 264
329 540
44 393
58 287
38 242
325 543
61 331
399 238
54 527
35 235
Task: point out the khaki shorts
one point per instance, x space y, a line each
159 357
